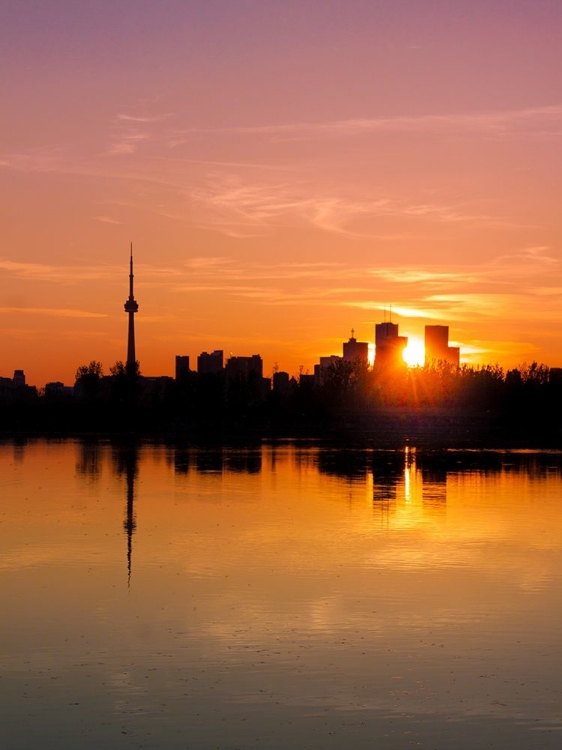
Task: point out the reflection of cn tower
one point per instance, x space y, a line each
130 523
131 307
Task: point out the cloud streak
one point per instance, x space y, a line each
107 220
53 312
502 122
146 119
127 143
243 208
226 198
58 274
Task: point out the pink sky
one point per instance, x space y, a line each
286 171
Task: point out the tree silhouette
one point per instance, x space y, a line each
88 378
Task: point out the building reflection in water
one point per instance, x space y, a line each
403 488
209 461
394 478
409 480
244 461
181 461
20 444
407 484
217 460
89 461
388 469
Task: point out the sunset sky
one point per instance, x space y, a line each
286 170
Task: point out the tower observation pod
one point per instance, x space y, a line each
131 307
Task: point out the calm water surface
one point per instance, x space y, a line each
283 597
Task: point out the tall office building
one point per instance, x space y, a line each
131 307
355 350
19 378
437 347
182 366
210 364
389 346
244 366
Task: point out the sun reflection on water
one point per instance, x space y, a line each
314 581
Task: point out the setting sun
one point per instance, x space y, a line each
414 353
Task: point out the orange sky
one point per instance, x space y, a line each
286 171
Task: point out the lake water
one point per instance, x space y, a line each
286 596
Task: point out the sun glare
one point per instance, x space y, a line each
414 353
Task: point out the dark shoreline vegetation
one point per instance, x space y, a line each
346 402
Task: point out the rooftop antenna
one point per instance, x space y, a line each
390 314
352 332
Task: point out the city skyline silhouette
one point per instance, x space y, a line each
310 177
391 347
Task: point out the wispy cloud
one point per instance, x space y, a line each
405 311
226 274
52 311
509 306
496 122
144 119
252 196
241 207
226 288
551 291
496 279
44 159
536 255
227 165
501 270
204 263
107 220
127 143
238 206
237 202
479 347
429 277
61 274
130 131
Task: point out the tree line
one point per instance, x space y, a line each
343 396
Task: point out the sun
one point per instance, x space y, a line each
414 353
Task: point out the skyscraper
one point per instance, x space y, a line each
182 366
244 367
437 349
210 364
355 350
389 346
131 307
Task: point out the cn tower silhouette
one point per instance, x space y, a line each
131 307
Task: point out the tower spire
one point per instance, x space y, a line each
131 307
131 274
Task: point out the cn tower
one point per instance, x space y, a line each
131 307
